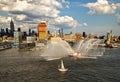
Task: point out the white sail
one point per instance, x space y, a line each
62 69
62 65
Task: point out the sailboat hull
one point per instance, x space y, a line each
63 70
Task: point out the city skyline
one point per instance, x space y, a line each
90 16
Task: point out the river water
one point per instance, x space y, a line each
28 66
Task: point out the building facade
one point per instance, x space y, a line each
12 28
17 37
42 30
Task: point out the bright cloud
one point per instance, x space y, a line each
34 7
4 22
4 19
66 20
102 7
21 17
24 26
21 6
85 24
33 11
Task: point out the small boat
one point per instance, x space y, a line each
62 68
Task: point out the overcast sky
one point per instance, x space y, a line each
90 16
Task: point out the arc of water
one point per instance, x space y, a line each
80 45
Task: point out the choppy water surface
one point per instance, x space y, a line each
28 66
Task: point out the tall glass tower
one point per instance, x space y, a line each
12 27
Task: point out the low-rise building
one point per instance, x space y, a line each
70 38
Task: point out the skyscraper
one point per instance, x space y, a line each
19 29
12 27
84 35
30 32
2 32
17 37
7 31
42 30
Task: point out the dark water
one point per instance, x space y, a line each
27 66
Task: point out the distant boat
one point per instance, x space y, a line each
62 68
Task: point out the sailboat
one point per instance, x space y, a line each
62 68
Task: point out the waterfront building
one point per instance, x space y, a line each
1 39
30 39
118 38
24 34
17 37
84 35
10 39
7 31
90 36
48 32
79 36
30 32
42 30
109 37
4 38
33 33
19 29
60 34
2 32
70 38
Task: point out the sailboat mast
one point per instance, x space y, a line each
62 65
